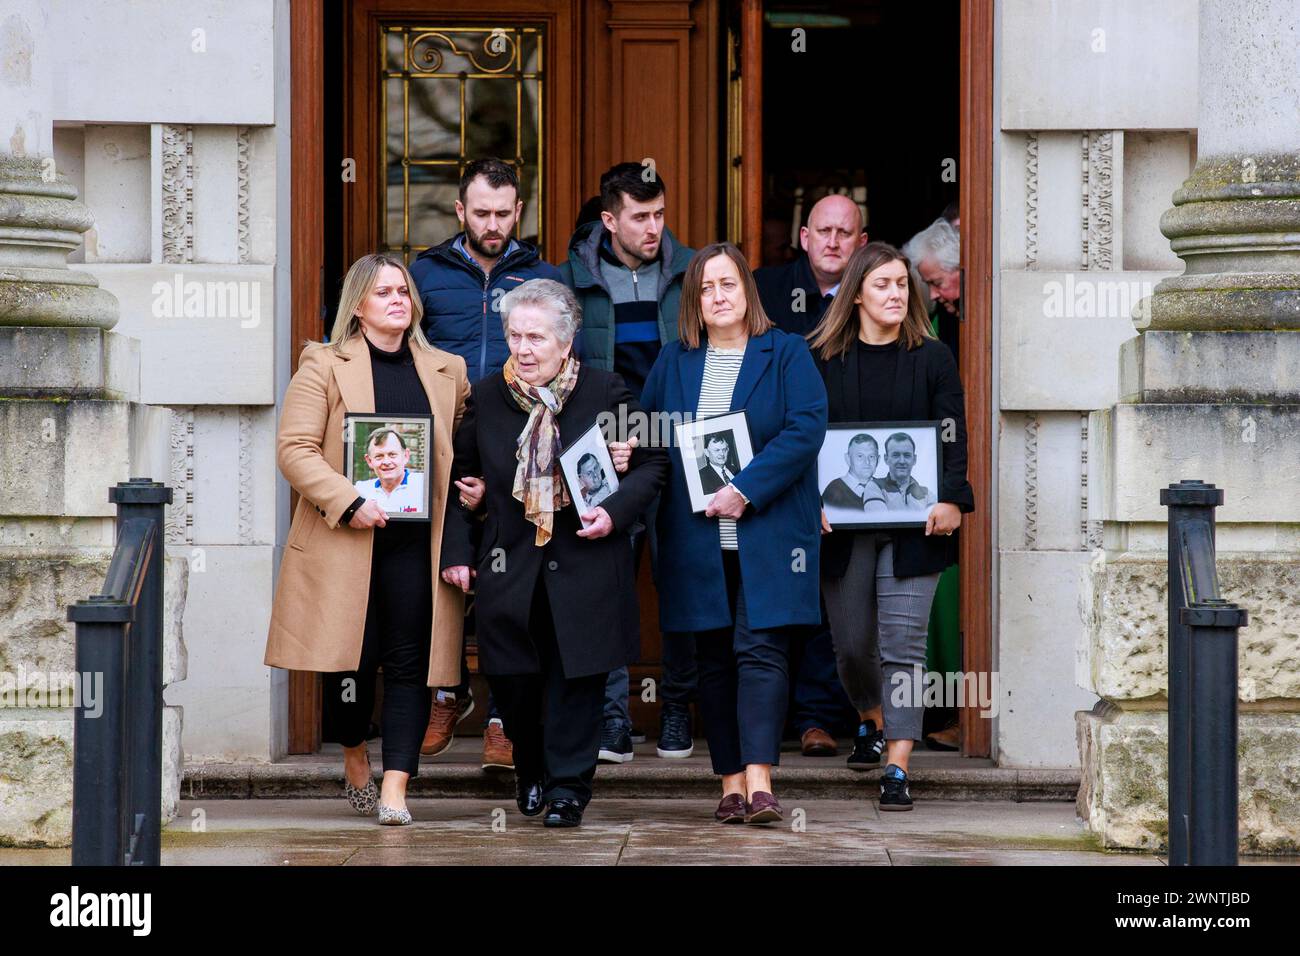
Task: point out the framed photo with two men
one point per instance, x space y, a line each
880 474
387 458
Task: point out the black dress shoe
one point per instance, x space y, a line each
528 797
563 813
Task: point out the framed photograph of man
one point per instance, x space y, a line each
588 470
880 474
714 450
388 458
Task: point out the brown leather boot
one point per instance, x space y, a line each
818 743
947 739
443 718
498 752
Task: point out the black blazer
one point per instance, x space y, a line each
710 480
591 583
926 387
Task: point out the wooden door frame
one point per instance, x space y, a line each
975 169
306 270
975 165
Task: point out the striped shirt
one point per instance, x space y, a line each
721 367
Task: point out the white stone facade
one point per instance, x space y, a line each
1096 112
176 149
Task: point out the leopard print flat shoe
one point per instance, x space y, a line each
362 799
392 817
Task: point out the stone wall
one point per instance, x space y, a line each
179 165
1096 132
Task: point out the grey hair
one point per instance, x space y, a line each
938 242
555 297
861 439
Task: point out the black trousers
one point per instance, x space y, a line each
744 684
399 618
553 721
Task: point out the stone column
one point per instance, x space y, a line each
70 428
1209 390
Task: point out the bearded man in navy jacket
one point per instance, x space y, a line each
461 280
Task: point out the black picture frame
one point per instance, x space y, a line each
899 509
742 450
574 452
413 430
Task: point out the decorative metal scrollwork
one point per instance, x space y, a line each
499 49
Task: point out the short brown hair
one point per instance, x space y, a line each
838 329
690 317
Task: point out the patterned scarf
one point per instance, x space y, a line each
538 481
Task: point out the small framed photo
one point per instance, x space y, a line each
880 474
588 470
714 450
388 460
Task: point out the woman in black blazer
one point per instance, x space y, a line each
880 361
556 593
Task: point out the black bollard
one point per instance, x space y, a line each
1212 639
98 740
1190 502
135 499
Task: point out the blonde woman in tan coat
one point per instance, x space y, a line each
357 591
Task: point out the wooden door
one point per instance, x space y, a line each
432 86
427 87
745 129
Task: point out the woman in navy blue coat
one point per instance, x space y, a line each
744 573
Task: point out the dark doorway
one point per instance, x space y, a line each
863 99
865 103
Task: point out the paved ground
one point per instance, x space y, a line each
623 832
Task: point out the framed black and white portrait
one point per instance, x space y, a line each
388 459
880 474
588 470
714 450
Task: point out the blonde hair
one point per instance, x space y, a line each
690 317
357 284
839 327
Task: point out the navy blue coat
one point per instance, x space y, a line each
781 391
460 301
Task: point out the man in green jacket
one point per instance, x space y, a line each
626 270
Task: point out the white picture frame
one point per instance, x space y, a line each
578 461
703 471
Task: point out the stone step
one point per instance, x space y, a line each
457 774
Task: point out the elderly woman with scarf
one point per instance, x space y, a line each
556 593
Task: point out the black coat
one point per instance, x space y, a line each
776 290
591 583
926 387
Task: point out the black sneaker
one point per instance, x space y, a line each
868 746
615 745
638 735
675 739
893 789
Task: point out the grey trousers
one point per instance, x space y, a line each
878 626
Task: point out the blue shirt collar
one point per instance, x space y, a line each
405 474
459 246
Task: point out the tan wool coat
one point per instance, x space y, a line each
319 613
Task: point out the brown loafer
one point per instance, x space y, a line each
731 809
763 808
818 743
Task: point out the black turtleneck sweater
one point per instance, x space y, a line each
398 391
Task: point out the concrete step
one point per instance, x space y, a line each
458 774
